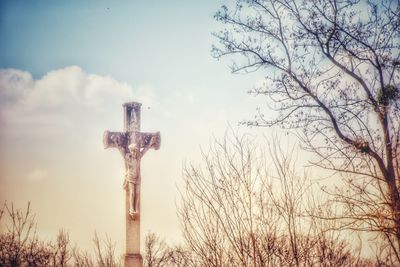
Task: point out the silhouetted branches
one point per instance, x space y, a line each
237 212
104 252
332 73
20 245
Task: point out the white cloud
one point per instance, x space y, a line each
37 174
14 84
62 99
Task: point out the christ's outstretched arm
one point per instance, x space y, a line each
153 143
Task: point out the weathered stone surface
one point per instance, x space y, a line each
132 145
132 260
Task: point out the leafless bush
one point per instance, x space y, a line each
236 212
20 245
157 253
81 258
105 255
17 235
331 73
61 251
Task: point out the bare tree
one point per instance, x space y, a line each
20 245
236 212
105 256
17 235
61 251
181 256
37 253
81 258
332 72
157 253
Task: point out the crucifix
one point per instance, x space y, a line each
132 145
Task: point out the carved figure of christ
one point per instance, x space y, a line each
132 176
132 145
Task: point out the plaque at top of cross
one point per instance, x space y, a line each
132 116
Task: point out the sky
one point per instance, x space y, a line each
66 68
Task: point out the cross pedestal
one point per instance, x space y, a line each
132 145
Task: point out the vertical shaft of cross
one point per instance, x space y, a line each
133 145
132 255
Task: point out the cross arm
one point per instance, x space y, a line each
149 140
115 139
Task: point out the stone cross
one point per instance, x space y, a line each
132 145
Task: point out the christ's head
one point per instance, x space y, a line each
134 150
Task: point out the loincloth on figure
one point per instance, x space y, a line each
132 177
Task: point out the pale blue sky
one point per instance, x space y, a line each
130 40
73 65
164 43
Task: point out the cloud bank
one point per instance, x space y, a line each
61 99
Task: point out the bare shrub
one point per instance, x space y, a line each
237 212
